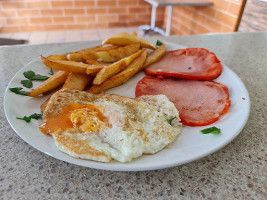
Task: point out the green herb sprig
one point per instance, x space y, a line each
170 120
29 118
159 43
18 90
51 72
213 130
31 76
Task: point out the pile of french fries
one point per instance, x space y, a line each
97 69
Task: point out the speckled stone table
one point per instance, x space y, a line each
238 171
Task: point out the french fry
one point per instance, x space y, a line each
155 56
77 81
74 81
134 34
77 57
91 53
115 68
121 77
58 57
126 39
71 66
113 55
53 82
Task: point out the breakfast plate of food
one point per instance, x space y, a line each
127 104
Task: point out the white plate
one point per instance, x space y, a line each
190 145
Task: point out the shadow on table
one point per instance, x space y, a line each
6 41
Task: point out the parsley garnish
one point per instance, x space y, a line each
159 43
51 72
213 130
33 116
18 90
170 120
34 77
27 83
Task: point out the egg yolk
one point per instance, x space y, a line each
85 116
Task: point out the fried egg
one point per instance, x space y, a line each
106 127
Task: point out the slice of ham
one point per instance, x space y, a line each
190 63
198 102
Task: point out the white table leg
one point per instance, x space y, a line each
153 17
169 21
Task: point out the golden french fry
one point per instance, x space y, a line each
77 57
126 39
90 54
74 81
115 68
113 55
77 81
71 66
155 56
134 34
58 57
121 77
90 49
53 82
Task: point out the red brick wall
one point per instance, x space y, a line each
221 17
40 15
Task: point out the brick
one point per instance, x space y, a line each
106 3
137 23
199 18
127 17
144 16
107 18
8 13
2 22
74 11
91 11
237 1
13 5
213 25
62 4
127 3
9 29
220 4
54 27
76 26
32 28
117 10
199 29
98 26
52 12
87 19
226 29
38 4
137 10
28 13
207 11
41 20
117 24
234 9
63 20
84 3
17 21
161 10
186 12
226 19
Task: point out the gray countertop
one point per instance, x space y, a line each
238 171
